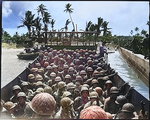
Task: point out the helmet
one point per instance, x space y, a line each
46 64
48 89
86 85
66 66
71 69
24 84
66 102
39 83
31 76
48 67
58 79
34 70
89 62
55 66
108 82
21 94
95 73
121 100
114 90
38 65
53 74
105 78
84 89
38 78
70 85
43 104
71 64
89 69
99 91
82 72
81 67
67 76
61 84
94 81
93 112
8 105
16 87
66 94
79 78
93 94
41 70
128 107
99 69
40 90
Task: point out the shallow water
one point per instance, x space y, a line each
11 66
127 74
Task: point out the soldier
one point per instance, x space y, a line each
89 72
65 71
71 89
80 101
100 92
48 89
94 84
28 92
16 89
109 104
127 112
67 79
59 92
52 77
79 79
41 72
108 86
94 100
19 107
67 94
66 112
93 112
83 75
43 105
48 71
55 86
34 71
38 65
8 113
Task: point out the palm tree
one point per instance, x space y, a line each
66 25
28 21
38 26
52 23
70 10
105 28
98 25
41 9
136 29
88 26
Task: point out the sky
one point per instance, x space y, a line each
123 16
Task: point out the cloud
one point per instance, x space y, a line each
21 14
6 11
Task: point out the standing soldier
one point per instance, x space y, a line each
94 84
55 86
65 71
100 92
71 89
108 86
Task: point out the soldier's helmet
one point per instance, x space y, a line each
46 64
16 87
93 94
121 99
114 90
8 105
39 83
66 94
82 72
24 84
94 81
99 91
43 104
61 85
40 70
58 79
38 65
67 76
39 90
86 85
71 69
33 70
79 78
108 82
53 74
48 67
99 69
84 89
21 94
70 85
128 107
31 76
38 78
48 89
89 69
66 66
66 102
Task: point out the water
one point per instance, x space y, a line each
127 74
12 66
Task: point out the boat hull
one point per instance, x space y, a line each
27 56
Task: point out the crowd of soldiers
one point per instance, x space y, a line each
68 84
